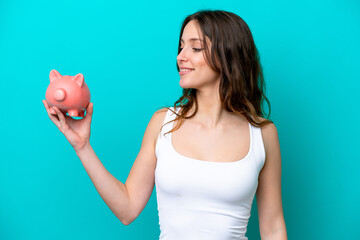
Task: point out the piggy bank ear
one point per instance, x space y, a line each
79 79
54 75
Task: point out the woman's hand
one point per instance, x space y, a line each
77 132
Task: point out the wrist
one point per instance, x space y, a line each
86 146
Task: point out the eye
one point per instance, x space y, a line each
197 49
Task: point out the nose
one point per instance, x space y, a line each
59 95
181 56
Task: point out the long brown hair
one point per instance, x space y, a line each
234 56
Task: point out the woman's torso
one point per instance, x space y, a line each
206 181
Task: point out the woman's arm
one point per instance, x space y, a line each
268 195
127 200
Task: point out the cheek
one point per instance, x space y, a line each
208 72
199 60
203 66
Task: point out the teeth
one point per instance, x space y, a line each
185 70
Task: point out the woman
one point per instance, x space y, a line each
220 152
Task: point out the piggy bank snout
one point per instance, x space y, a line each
59 94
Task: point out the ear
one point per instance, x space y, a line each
54 75
79 79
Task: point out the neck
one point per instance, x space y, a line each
210 112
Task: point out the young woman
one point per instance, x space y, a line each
208 154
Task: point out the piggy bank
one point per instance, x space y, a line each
68 93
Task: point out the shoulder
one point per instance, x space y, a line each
154 126
159 116
268 129
156 121
270 136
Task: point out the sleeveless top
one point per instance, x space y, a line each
201 199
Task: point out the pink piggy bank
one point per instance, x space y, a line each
68 93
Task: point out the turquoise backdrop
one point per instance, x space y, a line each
126 51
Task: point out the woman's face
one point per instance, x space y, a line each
194 71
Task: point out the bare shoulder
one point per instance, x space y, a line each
161 111
268 129
156 122
159 116
152 130
270 136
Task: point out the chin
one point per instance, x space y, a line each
185 84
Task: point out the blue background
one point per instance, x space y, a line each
126 51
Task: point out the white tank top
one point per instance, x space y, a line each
201 199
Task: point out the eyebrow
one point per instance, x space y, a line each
193 40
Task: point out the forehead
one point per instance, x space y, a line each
192 32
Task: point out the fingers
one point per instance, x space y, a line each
51 116
90 108
62 120
89 111
58 119
45 104
50 110
60 115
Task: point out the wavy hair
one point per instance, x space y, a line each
233 55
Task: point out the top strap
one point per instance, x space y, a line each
167 124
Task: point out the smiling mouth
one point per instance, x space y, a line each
186 70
